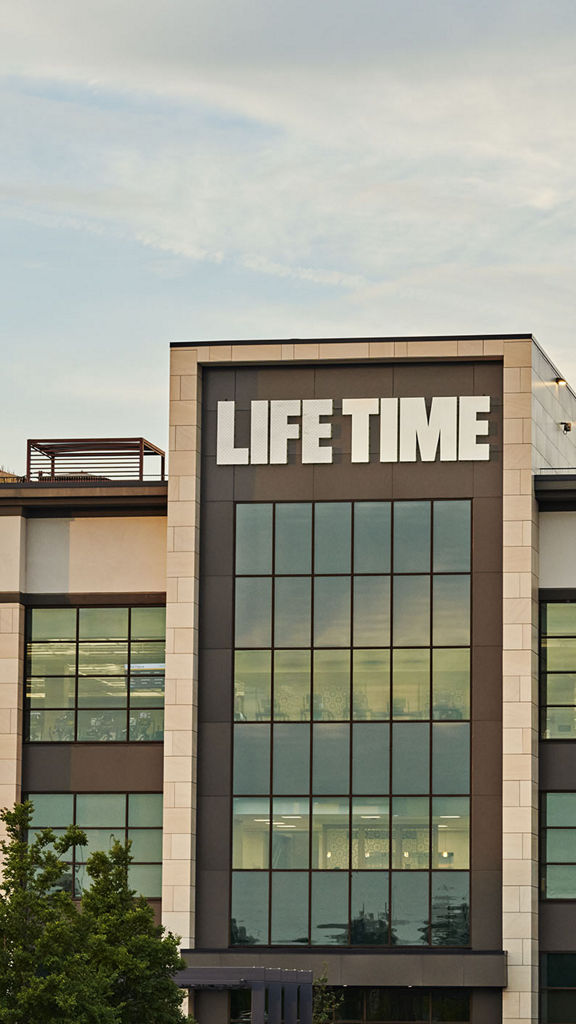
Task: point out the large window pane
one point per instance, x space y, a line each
102 692
411 611
450 909
330 833
331 754
371 684
450 1005
560 724
559 619
292 608
52 810
329 909
451 536
561 688
146 726
559 655
370 909
410 758
145 809
291 770
290 832
53 623
331 684
249 908
332 611
561 809
412 536
451 683
411 683
251 833
253 612
146 879
47 692
293 538
332 537
560 1007
451 610
370 757
100 839
103 623
559 970
561 845
252 671
289 922
51 727
410 909
103 659
410 833
253 539
451 833
146 844
561 882
46 659
147 656
148 623
106 810
292 685
371 611
372 536
251 759
450 758
102 726
370 833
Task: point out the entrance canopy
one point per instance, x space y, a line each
289 992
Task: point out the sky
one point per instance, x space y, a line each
234 169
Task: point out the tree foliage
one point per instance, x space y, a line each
325 1000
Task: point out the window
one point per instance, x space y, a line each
559 842
558 988
383 1006
105 817
95 674
351 735
558 669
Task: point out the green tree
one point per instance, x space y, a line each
325 1000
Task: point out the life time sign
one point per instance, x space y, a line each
448 428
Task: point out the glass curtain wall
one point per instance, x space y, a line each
558 669
383 1006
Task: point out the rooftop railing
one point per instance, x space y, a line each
91 461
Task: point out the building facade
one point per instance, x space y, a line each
324 677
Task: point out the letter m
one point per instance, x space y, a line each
428 432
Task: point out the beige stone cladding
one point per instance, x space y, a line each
12 542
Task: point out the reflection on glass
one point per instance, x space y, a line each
292 685
103 623
331 753
101 839
102 659
411 611
450 758
371 684
371 611
46 659
293 538
561 845
330 824
147 656
145 809
52 810
410 758
52 623
561 689
370 910
559 654
291 759
101 810
102 692
412 536
253 539
450 1004
451 609
410 833
102 726
411 683
370 833
561 882
410 909
289 917
451 832
251 759
329 909
560 724
146 725
250 833
146 879
451 536
46 692
371 757
253 612
332 537
559 619
331 684
450 909
51 727
147 691
451 683
292 607
249 926
398 1004
148 623
290 830
252 686
372 536
332 611
561 809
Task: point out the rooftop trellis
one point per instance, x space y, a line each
94 460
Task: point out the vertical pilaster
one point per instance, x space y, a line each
11 702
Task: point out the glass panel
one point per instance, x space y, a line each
372 536
292 685
561 882
147 691
252 685
147 726
45 692
147 656
561 809
102 726
249 908
371 684
370 834
251 833
410 758
291 770
332 611
332 536
352 1006
289 922
330 826
103 659
451 758
450 1004
411 683
409 909
451 683
559 619
561 845
293 538
559 970
450 909
103 623
329 909
371 757
411 611
240 1000
251 759
99 839
451 832
561 1007
253 612
369 912
331 754
52 810
103 693
148 623
561 689
145 809
560 724
451 536
51 659
451 610
146 844
332 684
559 655
53 624
397 1004
253 539
51 727
372 611
412 536
146 879
33 833
410 833
101 810
290 832
292 612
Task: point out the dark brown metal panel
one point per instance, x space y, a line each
92 767
486 1006
557 765
107 600
557 926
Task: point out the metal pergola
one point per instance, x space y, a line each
278 996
